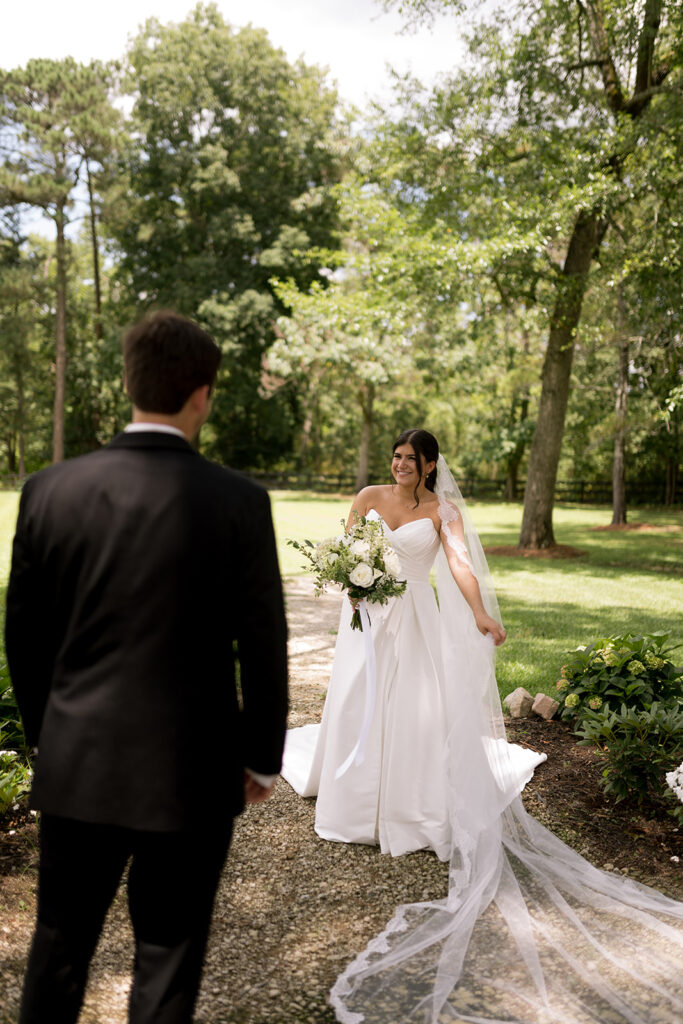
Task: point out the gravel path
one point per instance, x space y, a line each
291 910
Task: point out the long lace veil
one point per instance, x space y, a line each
529 932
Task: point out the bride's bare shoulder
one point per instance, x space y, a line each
368 497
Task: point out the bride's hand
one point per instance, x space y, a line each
485 624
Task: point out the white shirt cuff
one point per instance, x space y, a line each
263 780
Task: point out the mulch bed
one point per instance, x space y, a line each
565 795
637 527
553 551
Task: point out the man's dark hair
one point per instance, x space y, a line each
166 358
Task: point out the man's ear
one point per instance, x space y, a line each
203 394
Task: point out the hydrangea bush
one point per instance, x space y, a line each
624 694
640 747
15 778
10 720
15 773
631 669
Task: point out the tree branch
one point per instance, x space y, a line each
646 46
581 64
640 100
600 44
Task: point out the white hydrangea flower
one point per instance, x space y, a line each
674 781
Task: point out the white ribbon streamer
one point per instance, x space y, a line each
357 755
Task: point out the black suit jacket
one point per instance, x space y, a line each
137 571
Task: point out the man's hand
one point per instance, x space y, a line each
254 792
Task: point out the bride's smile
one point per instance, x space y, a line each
404 465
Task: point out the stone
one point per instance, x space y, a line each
519 703
545 706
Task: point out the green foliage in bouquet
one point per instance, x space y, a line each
641 747
360 560
631 669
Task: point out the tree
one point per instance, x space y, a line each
365 333
23 366
54 114
225 184
559 111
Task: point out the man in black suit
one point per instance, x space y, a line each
137 571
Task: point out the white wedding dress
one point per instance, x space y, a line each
398 797
529 931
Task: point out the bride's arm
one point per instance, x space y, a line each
467 581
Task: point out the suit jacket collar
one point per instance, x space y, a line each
151 439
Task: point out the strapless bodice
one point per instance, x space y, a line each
416 545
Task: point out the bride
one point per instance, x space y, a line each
397 796
529 931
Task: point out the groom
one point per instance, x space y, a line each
141 574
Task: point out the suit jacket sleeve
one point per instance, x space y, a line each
262 644
28 625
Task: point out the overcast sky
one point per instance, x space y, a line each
356 39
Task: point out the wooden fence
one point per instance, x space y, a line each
582 492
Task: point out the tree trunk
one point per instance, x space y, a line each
515 459
537 525
11 457
511 480
619 461
305 441
95 257
671 480
20 425
367 397
544 455
60 342
310 421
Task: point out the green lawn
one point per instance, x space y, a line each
625 581
9 505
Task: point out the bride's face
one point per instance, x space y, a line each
405 466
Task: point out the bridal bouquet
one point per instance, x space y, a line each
361 561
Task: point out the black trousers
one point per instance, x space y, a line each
172 883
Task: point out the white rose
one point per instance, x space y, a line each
362 575
392 564
360 548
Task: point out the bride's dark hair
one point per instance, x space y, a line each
426 447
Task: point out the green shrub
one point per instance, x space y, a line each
15 772
634 670
15 777
641 747
10 719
